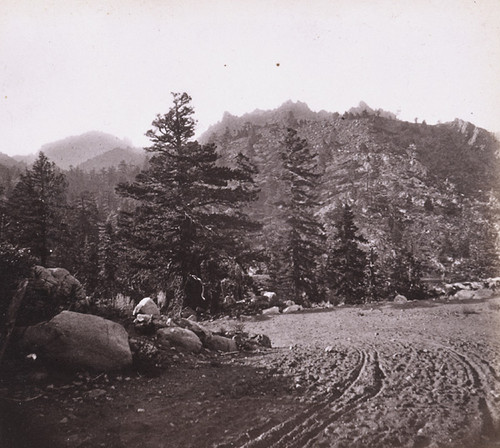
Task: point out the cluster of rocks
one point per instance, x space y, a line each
462 291
287 307
78 341
187 334
471 290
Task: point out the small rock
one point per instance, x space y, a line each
292 309
95 393
272 310
222 344
270 295
400 299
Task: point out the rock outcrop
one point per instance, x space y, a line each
57 282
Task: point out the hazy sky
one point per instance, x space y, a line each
67 67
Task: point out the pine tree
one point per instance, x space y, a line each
406 276
80 252
189 208
108 262
299 244
375 286
347 262
36 207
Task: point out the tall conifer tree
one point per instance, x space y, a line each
189 208
300 243
36 207
347 262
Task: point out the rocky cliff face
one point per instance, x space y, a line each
433 189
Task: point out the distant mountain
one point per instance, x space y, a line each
114 157
73 151
27 159
434 189
8 161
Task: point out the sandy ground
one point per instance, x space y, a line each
423 374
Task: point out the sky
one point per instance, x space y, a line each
68 66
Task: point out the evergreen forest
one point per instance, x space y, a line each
314 207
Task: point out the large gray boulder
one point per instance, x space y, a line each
80 341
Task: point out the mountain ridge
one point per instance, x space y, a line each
74 150
113 157
433 189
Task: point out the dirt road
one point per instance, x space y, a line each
414 375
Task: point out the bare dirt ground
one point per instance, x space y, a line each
423 374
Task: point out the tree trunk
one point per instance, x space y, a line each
178 301
11 316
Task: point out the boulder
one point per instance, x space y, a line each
400 299
146 306
143 323
272 310
180 337
52 290
196 328
270 295
289 303
80 341
484 294
464 294
262 339
221 344
57 282
292 309
492 282
188 312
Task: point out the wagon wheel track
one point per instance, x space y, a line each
375 375
489 413
301 430
275 435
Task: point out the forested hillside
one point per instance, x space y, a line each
351 208
430 190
